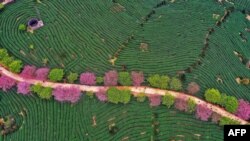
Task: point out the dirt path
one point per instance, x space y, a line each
134 90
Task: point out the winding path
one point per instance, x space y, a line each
135 90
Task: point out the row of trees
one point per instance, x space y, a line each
14 65
114 95
165 82
229 102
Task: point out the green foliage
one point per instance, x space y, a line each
36 88
175 84
3 53
229 102
124 79
90 94
56 75
46 93
191 105
72 77
227 121
99 80
22 27
168 100
15 66
42 92
7 60
141 97
125 96
159 81
1 6
115 95
213 95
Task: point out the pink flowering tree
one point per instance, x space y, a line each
154 100
111 78
28 72
23 88
101 95
69 94
42 73
243 110
137 78
88 78
203 112
181 103
6 83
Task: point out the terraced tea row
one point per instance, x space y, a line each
133 121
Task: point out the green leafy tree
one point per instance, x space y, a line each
3 53
175 84
90 94
168 100
228 121
113 95
99 80
159 81
124 79
42 92
56 75
72 77
22 27
191 105
125 96
7 60
15 66
229 102
45 93
213 95
36 88
1 6
141 97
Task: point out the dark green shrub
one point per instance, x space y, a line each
124 79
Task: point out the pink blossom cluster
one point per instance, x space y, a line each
203 112
243 110
155 100
23 88
88 78
42 74
101 95
67 94
28 72
6 83
111 78
181 103
137 78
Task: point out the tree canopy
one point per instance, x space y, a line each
56 74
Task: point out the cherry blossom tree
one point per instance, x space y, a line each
155 100
137 78
193 88
203 112
111 78
88 78
23 88
28 72
69 94
181 103
243 110
42 73
101 95
6 83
